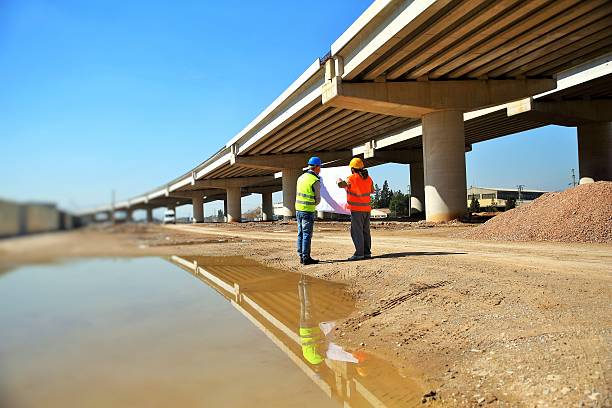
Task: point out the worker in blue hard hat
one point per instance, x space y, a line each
308 196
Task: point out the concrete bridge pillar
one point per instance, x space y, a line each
417 187
267 208
444 165
149 215
198 209
234 206
595 151
128 215
290 177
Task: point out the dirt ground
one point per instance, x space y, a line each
485 323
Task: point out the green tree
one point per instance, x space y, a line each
510 204
220 215
398 203
474 204
376 199
385 195
493 206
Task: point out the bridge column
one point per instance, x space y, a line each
267 208
198 209
149 215
290 177
444 165
234 206
595 151
417 187
128 215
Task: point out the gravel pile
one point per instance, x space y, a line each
580 214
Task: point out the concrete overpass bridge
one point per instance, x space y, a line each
419 82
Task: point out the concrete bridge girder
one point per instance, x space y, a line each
440 105
563 113
593 119
278 162
233 189
415 99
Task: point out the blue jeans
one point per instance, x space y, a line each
305 223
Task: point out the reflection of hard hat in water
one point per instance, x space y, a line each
356 163
362 371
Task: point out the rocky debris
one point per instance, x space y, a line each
430 396
579 214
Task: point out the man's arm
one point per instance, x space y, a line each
317 190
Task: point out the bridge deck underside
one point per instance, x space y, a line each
494 39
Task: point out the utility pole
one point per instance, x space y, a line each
573 183
520 188
112 214
409 201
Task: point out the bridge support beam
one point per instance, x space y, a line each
149 215
413 99
417 187
440 105
197 203
129 215
595 151
234 205
267 207
444 165
290 177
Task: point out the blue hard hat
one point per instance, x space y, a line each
314 161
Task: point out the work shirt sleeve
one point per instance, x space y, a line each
317 190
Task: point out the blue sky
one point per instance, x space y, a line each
103 95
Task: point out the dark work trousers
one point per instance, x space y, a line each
360 232
305 224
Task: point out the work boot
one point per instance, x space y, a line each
368 256
356 258
310 261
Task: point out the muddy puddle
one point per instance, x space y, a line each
142 332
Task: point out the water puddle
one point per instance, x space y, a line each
137 332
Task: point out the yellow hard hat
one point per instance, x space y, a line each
356 163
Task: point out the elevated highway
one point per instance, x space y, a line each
419 82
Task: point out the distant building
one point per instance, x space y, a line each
497 197
33 217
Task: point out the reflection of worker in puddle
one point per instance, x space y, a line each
316 336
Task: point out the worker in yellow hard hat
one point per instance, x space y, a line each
359 186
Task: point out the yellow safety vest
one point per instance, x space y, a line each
305 195
310 337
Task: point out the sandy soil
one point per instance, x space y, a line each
486 323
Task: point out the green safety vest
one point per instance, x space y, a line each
305 195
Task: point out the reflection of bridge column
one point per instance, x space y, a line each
417 187
267 208
290 177
234 205
595 151
444 165
198 209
